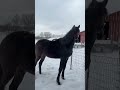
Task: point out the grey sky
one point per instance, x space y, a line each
58 16
12 7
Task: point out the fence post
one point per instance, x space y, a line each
71 63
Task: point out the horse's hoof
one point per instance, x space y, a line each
63 78
40 73
58 83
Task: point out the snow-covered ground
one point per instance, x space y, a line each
75 78
26 84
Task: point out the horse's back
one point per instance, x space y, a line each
42 42
52 49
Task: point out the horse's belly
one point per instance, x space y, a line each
53 53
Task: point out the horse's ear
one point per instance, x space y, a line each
74 26
105 3
79 26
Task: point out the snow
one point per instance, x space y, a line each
26 84
53 38
74 79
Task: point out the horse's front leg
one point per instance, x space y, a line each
60 70
63 71
17 79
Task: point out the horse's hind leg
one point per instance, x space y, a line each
5 78
18 77
40 63
65 62
37 59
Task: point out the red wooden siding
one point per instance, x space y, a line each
82 37
114 25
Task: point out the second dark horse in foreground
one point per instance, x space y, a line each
17 57
61 48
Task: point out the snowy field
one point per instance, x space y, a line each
75 78
26 84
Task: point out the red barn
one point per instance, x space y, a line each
114 26
82 37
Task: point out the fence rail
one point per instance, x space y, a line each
104 72
78 58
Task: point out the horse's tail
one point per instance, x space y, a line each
38 51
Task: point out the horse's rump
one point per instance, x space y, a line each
49 48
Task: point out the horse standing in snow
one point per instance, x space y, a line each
17 56
61 48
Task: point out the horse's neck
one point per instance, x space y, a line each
66 40
70 44
93 23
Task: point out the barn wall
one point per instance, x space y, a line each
114 26
82 37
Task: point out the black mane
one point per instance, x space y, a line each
69 37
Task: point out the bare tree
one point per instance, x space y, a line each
16 20
28 20
41 34
47 34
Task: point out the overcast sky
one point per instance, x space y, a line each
58 16
12 7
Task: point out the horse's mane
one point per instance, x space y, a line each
69 37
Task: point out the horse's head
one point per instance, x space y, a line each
95 15
76 31
71 35
98 4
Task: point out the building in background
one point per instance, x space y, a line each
82 37
114 26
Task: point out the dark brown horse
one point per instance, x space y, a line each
17 55
61 48
94 22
